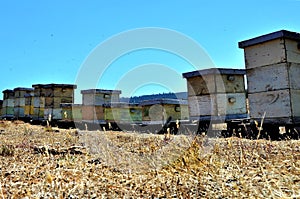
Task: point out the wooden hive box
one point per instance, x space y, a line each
99 97
216 94
88 113
53 113
20 110
55 94
66 111
77 112
1 103
94 114
48 97
159 110
123 112
273 70
135 112
8 104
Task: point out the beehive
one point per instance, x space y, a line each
216 94
48 97
1 103
8 104
77 112
66 111
93 101
96 97
273 70
123 112
159 110
29 104
20 95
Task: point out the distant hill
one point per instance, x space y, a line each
139 99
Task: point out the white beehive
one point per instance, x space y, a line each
20 101
8 104
93 101
216 94
273 70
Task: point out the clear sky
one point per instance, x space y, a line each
49 41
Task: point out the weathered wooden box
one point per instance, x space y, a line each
99 97
77 112
216 94
273 71
1 103
277 47
29 104
48 97
159 110
54 90
54 102
93 113
20 95
8 103
38 113
123 112
52 113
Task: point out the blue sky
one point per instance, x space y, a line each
49 41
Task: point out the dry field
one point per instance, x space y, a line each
39 162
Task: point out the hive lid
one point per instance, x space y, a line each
164 101
23 89
54 86
212 71
104 91
8 91
269 37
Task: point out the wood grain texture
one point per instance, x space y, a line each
268 78
271 52
276 104
217 104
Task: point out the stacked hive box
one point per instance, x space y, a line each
8 104
77 112
66 111
159 110
273 70
21 97
216 94
93 102
29 104
48 97
1 103
38 103
71 112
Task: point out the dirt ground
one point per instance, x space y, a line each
44 162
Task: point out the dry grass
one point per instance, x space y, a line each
131 165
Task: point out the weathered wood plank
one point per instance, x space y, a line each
295 100
230 84
210 84
39 102
268 78
201 85
294 76
231 103
201 105
88 112
276 104
292 51
217 104
19 102
271 52
19 111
